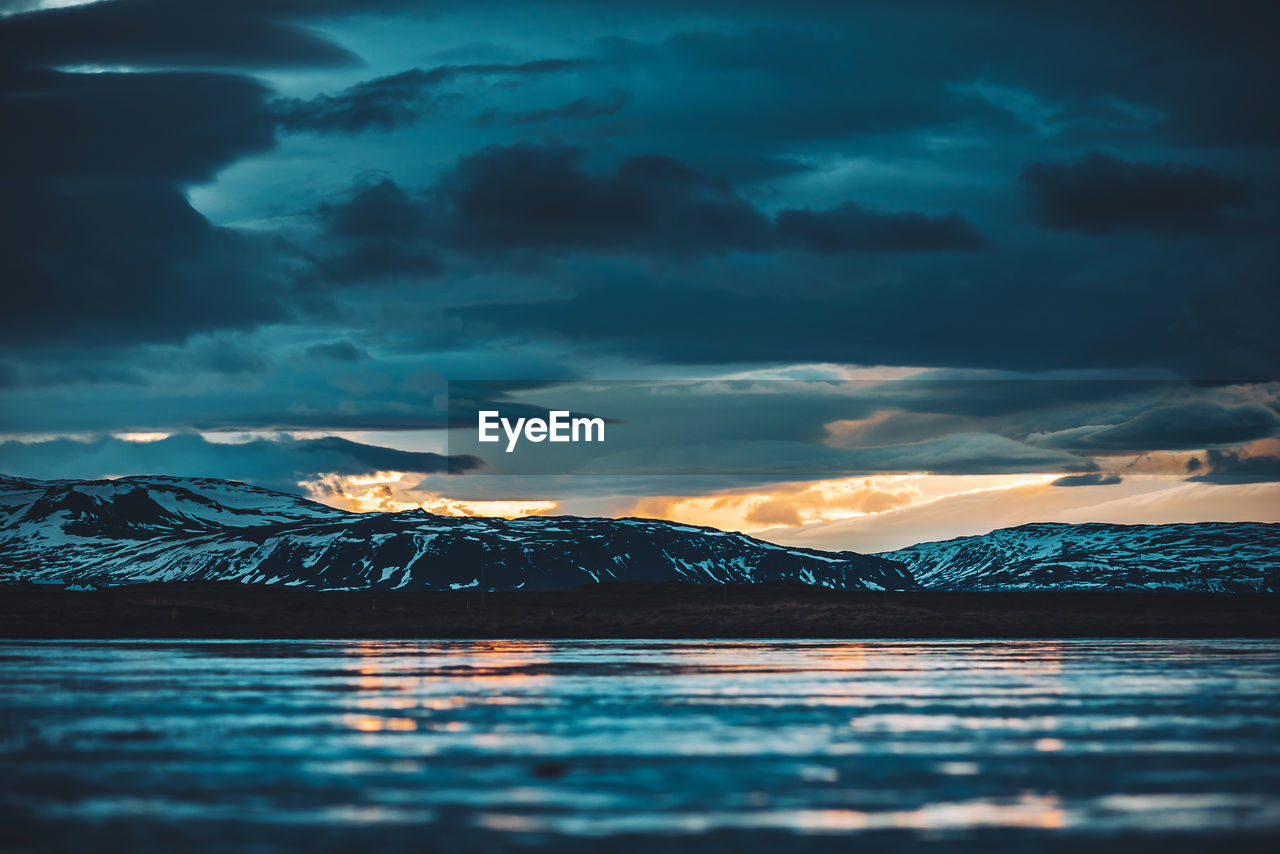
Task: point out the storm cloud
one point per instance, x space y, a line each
147 266
401 99
544 198
98 243
1191 425
308 214
1100 194
199 33
1235 466
849 226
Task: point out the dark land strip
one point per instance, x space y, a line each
623 610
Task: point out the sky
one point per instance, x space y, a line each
843 275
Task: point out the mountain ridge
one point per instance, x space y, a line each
151 529
158 528
1189 556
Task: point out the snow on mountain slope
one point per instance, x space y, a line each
1207 556
197 501
153 528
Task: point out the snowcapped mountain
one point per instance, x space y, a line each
138 529
1206 556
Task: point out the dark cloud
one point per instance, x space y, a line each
760 169
1235 466
1101 194
543 198
193 33
337 351
75 372
278 462
98 244
781 81
953 321
236 382
1089 479
173 126
852 227
1177 307
226 354
1187 426
1210 68
379 210
379 232
529 196
146 266
401 99
384 103
579 109
374 457
551 237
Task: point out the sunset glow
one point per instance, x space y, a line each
794 505
392 492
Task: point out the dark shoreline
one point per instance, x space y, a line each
622 610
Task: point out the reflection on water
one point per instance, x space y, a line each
492 744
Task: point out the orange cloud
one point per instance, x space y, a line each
1139 499
792 505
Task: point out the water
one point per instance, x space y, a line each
626 745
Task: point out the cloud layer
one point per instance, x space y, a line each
307 215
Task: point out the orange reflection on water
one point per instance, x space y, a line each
506 664
848 656
378 703
1030 811
426 677
370 723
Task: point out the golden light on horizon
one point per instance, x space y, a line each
865 513
790 505
393 492
777 507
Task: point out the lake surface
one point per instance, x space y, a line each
639 746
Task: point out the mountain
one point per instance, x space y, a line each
135 529
1206 556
